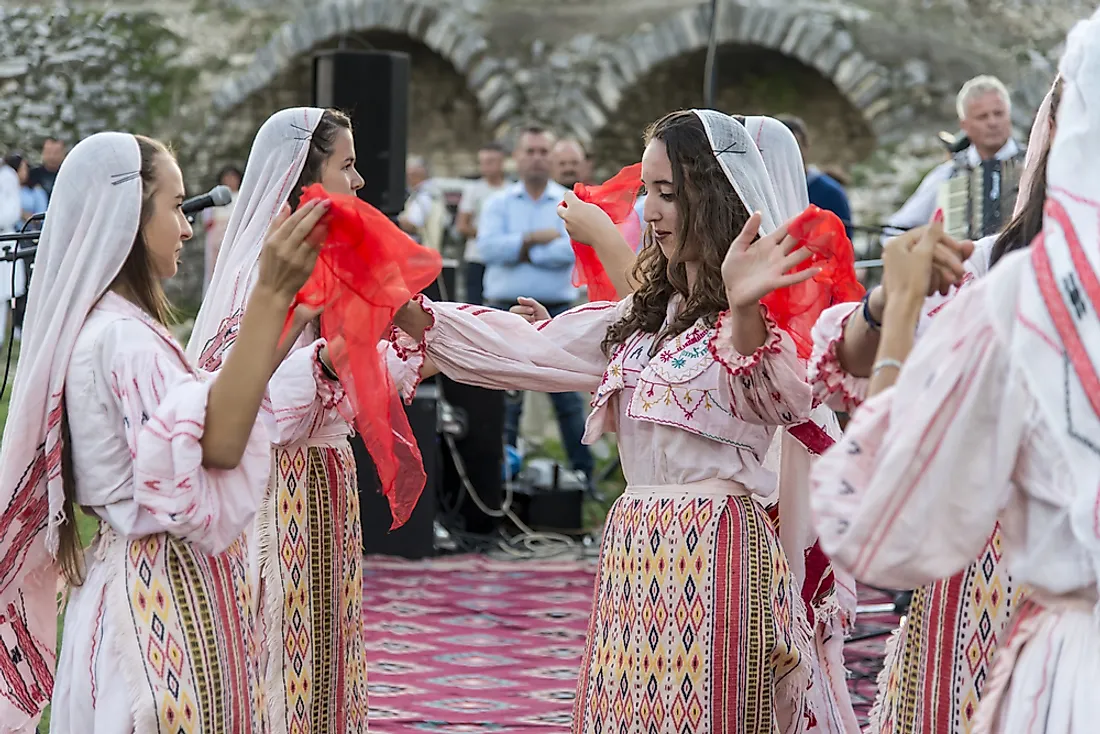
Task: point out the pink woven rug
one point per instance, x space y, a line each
466 645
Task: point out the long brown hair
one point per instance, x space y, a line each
1027 225
321 145
138 282
711 216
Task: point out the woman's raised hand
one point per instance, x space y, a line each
753 269
531 310
291 248
585 223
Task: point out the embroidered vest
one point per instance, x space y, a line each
683 386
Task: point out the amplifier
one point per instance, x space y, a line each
416 538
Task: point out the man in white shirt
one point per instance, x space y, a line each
425 213
11 206
490 164
985 115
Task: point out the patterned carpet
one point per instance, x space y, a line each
471 645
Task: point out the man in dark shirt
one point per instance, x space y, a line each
53 152
824 190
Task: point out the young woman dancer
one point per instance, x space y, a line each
696 623
109 416
307 544
994 417
942 654
829 593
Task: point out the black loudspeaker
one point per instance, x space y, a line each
416 538
372 87
443 289
481 451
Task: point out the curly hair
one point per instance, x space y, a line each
711 216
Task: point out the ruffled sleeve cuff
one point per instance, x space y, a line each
767 387
405 365
330 392
208 507
405 356
737 364
831 384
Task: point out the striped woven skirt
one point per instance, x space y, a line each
941 656
310 553
694 625
160 639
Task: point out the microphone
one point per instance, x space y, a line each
217 196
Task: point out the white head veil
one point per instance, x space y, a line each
274 165
787 455
743 166
90 228
783 159
1057 338
1037 144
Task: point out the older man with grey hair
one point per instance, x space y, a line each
985 115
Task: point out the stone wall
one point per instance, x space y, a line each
751 82
867 75
71 72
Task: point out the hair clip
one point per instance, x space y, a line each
307 131
121 178
737 148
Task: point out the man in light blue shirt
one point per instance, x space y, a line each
526 251
521 237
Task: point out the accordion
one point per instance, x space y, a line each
977 201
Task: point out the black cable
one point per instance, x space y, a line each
11 331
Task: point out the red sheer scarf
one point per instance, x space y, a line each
796 308
616 197
367 270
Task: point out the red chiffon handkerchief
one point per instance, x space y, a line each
796 308
367 270
616 196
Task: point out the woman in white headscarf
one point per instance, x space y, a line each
696 622
307 542
940 657
830 593
995 415
108 415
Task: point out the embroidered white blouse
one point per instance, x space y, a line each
136 412
302 402
925 468
842 391
697 410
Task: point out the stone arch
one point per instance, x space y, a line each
452 34
812 40
446 123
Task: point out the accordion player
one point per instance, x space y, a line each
977 200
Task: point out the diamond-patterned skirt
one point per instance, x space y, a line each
692 626
312 592
938 663
191 655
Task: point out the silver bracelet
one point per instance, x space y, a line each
883 364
